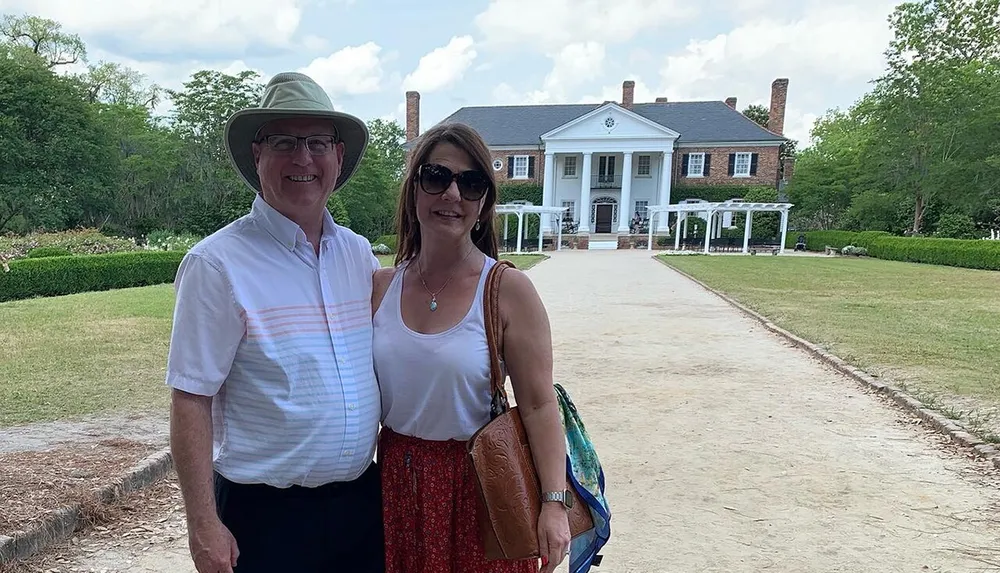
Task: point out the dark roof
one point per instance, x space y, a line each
697 122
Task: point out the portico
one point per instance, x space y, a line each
605 168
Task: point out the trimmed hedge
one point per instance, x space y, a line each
971 254
56 276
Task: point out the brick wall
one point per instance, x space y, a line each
766 166
537 169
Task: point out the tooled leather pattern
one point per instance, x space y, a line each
508 484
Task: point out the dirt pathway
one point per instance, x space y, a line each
725 449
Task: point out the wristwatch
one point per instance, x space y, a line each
564 497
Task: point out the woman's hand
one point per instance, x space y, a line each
553 535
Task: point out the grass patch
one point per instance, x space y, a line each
932 328
86 353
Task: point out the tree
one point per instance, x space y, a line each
113 83
56 162
758 113
213 194
42 38
369 198
934 112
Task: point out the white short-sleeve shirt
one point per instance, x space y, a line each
283 341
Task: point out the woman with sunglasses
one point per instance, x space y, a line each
433 366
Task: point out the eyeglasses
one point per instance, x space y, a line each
434 179
286 144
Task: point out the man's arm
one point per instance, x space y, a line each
208 327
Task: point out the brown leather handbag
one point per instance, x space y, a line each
505 476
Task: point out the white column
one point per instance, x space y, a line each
559 221
625 210
666 174
520 231
584 208
784 230
506 219
649 234
548 192
542 217
681 217
746 232
708 229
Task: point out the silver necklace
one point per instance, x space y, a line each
433 304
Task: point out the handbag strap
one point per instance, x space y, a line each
494 330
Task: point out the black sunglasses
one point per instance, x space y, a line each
434 179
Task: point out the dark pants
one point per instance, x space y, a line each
335 527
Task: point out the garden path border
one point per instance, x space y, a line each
944 425
61 524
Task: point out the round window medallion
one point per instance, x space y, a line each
609 122
497 165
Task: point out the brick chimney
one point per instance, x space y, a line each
776 115
661 100
731 102
412 115
628 94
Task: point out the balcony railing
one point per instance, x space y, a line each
606 181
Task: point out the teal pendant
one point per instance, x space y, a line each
434 305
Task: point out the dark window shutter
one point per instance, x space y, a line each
531 167
732 164
753 164
510 167
684 164
708 163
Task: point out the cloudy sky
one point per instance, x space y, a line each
367 53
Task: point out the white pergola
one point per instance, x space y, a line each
524 209
713 209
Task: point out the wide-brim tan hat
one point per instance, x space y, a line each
291 95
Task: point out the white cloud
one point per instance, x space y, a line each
442 67
352 70
551 24
573 66
187 26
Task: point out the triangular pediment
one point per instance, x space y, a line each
610 121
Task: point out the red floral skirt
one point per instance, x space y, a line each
429 508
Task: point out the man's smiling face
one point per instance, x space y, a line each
297 181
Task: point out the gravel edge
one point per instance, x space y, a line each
62 523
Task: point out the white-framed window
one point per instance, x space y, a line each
569 166
642 166
742 166
520 167
641 209
696 165
570 207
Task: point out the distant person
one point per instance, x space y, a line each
434 367
275 406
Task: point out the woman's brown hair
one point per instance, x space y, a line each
407 225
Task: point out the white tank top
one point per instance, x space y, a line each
434 386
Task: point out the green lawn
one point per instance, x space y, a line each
935 329
92 352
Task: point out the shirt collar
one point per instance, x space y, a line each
283 229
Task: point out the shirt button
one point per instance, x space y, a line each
348 452
352 406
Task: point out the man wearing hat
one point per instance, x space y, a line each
275 406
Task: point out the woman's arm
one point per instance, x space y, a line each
527 352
